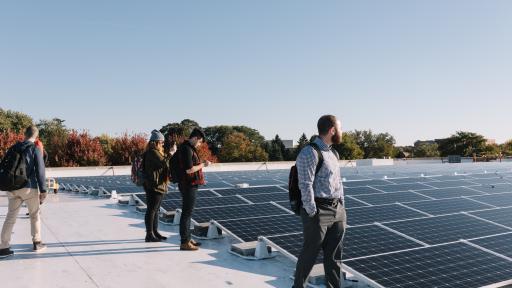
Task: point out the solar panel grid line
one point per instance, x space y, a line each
488 221
241 197
435 266
470 198
282 208
227 231
278 248
358 200
417 210
403 235
430 185
487 250
213 191
416 192
472 188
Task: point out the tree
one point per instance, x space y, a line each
206 154
238 148
7 139
348 149
303 142
215 135
187 125
276 150
463 144
54 134
83 150
125 146
506 148
375 145
14 121
426 150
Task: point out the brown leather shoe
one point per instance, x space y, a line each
195 243
188 247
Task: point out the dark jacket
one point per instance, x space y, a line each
156 170
35 166
190 158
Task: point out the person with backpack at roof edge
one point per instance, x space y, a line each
190 177
155 181
323 214
31 171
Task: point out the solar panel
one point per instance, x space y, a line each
498 200
267 197
177 195
491 181
171 205
444 229
446 266
369 240
250 229
384 213
410 180
389 198
494 189
446 193
202 215
501 216
352 203
449 177
363 190
216 185
485 175
292 243
361 183
501 244
403 187
448 206
451 184
250 190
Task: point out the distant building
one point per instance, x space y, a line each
288 144
490 142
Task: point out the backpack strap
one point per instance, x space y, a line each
320 157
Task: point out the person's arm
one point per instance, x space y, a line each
40 170
306 168
188 162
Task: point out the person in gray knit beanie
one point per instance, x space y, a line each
156 136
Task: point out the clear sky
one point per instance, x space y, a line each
416 69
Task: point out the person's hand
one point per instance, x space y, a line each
42 196
207 163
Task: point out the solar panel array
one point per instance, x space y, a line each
421 226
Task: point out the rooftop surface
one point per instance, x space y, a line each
98 243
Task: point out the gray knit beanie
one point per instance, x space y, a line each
156 136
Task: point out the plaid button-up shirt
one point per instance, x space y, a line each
326 184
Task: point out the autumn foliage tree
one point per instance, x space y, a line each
84 150
125 146
7 139
238 148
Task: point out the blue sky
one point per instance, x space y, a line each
415 69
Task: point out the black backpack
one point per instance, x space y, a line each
294 192
13 169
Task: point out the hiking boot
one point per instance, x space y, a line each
4 253
188 247
39 247
150 237
159 236
195 243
